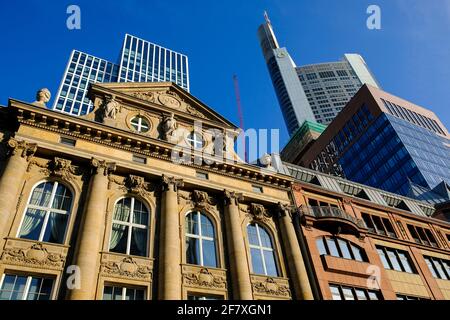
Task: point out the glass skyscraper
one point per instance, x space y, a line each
315 92
140 61
386 142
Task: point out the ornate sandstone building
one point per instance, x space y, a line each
133 201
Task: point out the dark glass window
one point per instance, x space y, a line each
394 259
439 268
339 292
200 240
340 248
123 293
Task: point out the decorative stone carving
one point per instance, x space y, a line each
133 184
127 268
42 97
103 167
191 110
204 279
170 100
198 199
232 197
109 109
266 162
61 168
258 212
35 256
22 148
285 209
147 96
168 126
171 183
271 287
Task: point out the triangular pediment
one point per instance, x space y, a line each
166 96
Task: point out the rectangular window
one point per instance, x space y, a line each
349 293
139 159
201 175
257 189
394 259
193 296
422 235
15 287
379 225
68 141
439 268
123 293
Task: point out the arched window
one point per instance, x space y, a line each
261 250
47 213
200 240
130 227
340 248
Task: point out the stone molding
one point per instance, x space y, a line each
200 277
37 255
171 183
270 286
132 184
102 166
126 267
22 148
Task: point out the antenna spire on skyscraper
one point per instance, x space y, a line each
266 17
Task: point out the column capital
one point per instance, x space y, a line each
103 167
22 148
232 197
285 209
171 183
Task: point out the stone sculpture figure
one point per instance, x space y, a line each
169 125
42 97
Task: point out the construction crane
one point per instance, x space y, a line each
240 114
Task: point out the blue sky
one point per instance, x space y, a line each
410 55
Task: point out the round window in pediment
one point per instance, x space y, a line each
140 124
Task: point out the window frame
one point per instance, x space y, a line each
350 247
191 139
262 249
388 232
48 210
28 284
354 290
124 288
130 226
435 271
200 237
422 232
139 125
400 261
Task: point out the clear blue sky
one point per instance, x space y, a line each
410 55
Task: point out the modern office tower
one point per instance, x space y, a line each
329 86
140 61
385 142
323 88
291 97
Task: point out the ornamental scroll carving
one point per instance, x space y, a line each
58 167
133 184
271 287
22 148
204 279
285 209
198 199
171 183
103 167
232 197
258 212
169 99
127 268
35 256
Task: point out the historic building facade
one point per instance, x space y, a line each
363 243
98 207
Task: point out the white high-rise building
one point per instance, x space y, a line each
140 61
314 92
329 86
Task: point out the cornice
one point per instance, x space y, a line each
83 129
